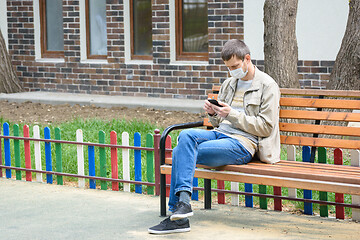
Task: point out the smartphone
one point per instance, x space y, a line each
215 102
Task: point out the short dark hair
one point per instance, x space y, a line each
236 48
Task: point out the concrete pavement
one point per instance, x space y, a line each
188 105
30 210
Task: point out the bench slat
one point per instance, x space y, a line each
319 129
319 142
304 165
320 103
322 172
216 88
273 180
213 96
318 115
316 92
207 122
314 168
295 172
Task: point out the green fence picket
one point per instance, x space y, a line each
263 201
102 153
17 151
323 196
58 156
150 162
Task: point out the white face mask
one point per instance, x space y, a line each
238 73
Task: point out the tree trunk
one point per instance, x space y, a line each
280 44
9 82
346 71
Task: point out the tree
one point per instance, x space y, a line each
280 44
9 82
346 71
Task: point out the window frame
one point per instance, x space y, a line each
43 33
180 55
132 37
87 25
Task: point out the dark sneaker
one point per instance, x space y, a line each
182 210
168 226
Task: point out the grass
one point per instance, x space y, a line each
91 130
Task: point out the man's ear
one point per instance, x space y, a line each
248 57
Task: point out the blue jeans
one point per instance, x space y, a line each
198 146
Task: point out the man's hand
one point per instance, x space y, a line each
221 111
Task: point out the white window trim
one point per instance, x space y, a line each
83 46
173 61
37 33
4 22
127 37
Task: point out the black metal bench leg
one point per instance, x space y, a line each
163 195
207 194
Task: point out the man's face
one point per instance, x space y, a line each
234 63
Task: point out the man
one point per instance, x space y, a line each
246 123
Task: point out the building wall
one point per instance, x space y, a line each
320 27
117 75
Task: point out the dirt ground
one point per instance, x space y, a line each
39 113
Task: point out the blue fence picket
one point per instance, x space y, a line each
195 193
7 149
137 162
91 158
249 202
308 207
48 160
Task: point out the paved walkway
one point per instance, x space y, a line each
189 105
42 211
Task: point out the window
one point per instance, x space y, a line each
191 30
96 35
141 29
52 32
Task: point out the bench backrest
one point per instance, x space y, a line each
317 118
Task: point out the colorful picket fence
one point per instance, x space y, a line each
57 171
152 167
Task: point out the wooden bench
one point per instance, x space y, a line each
307 118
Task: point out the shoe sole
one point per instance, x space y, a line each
175 217
180 230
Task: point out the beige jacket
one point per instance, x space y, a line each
261 117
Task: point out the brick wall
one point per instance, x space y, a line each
312 74
157 79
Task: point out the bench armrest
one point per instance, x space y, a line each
171 128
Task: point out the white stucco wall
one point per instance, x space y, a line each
3 21
320 28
